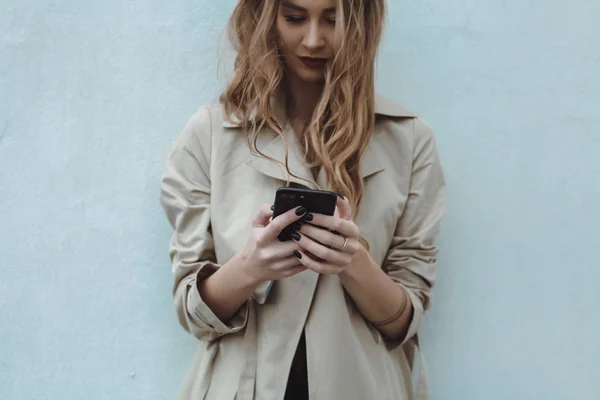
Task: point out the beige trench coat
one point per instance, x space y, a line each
212 188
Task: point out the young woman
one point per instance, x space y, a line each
349 292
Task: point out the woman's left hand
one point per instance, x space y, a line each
333 239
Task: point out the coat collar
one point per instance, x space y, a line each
273 146
383 107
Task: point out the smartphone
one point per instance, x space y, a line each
315 201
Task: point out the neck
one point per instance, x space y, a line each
302 98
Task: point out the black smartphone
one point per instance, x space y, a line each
315 201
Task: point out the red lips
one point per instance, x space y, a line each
313 63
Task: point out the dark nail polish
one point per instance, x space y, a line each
301 211
307 218
273 208
297 254
341 196
296 226
296 236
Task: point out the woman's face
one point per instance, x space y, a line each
306 35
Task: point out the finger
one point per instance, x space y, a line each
330 239
281 250
342 226
284 264
325 253
278 223
316 266
295 270
323 236
343 207
262 218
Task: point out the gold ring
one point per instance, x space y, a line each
345 243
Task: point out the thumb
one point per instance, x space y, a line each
263 217
344 210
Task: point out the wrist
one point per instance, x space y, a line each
359 261
248 273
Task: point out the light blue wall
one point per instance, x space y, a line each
91 93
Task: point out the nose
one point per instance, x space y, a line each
314 38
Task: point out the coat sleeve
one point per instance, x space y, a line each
185 198
411 258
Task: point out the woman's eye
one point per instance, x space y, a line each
331 21
294 19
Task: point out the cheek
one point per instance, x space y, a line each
333 43
287 37
285 46
279 28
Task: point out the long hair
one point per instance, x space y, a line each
344 118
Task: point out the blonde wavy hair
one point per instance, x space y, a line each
344 118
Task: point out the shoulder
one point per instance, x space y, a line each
201 129
205 120
208 118
212 140
400 125
387 108
191 147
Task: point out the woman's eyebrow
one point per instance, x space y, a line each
288 4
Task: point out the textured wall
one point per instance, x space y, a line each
91 93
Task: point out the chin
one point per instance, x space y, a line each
314 79
311 76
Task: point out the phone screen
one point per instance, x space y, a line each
315 201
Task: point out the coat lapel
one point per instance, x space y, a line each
276 150
274 146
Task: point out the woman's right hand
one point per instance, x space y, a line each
264 257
